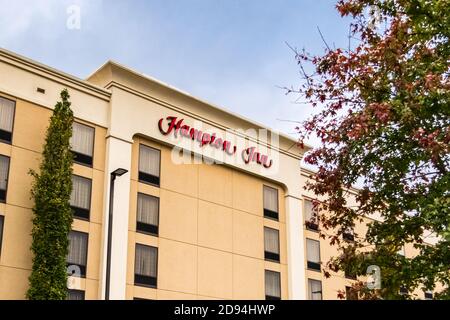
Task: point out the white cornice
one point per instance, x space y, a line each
145 77
53 74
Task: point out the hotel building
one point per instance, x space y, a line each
211 206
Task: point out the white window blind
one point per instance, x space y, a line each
313 250
145 263
4 168
6 114
309 211
270 199
315 289
82 140
272 283
149 160
271 240
81 192
147 209
78 242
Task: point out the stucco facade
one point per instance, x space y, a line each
210 238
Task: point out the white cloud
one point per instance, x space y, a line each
18 16
25 20
163 48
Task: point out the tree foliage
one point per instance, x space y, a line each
383 120
52 213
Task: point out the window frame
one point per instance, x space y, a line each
349 275
2 227
269 214
268 297
349 295
311 265
142 176
272 256
76 155
83 269
311 226
153 230
348 236
82 213
152 282
5 192
77 291
310 293
13 122
428 295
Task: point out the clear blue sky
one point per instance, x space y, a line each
231 53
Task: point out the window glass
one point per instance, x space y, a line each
315 289
82 140
272 283
271 244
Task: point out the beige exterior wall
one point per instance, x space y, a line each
338 281
211 225
211 232
30 124
137 105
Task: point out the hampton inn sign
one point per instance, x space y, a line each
175 125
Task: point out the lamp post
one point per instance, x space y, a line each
116 173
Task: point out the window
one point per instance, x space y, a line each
147 214
80 199
7 108
349 234
401 251
149 165
313 254
273 285
145 265
75 295
311 220
350 273
270 203
428 295
82 143
4 170
314 289
271 244
2 220
77 256
350 294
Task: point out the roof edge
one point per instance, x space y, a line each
186 94
54 72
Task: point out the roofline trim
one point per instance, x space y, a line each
41 69
308 172
218 125
184 93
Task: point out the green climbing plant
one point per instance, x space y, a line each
52 215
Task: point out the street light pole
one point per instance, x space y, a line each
114 174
